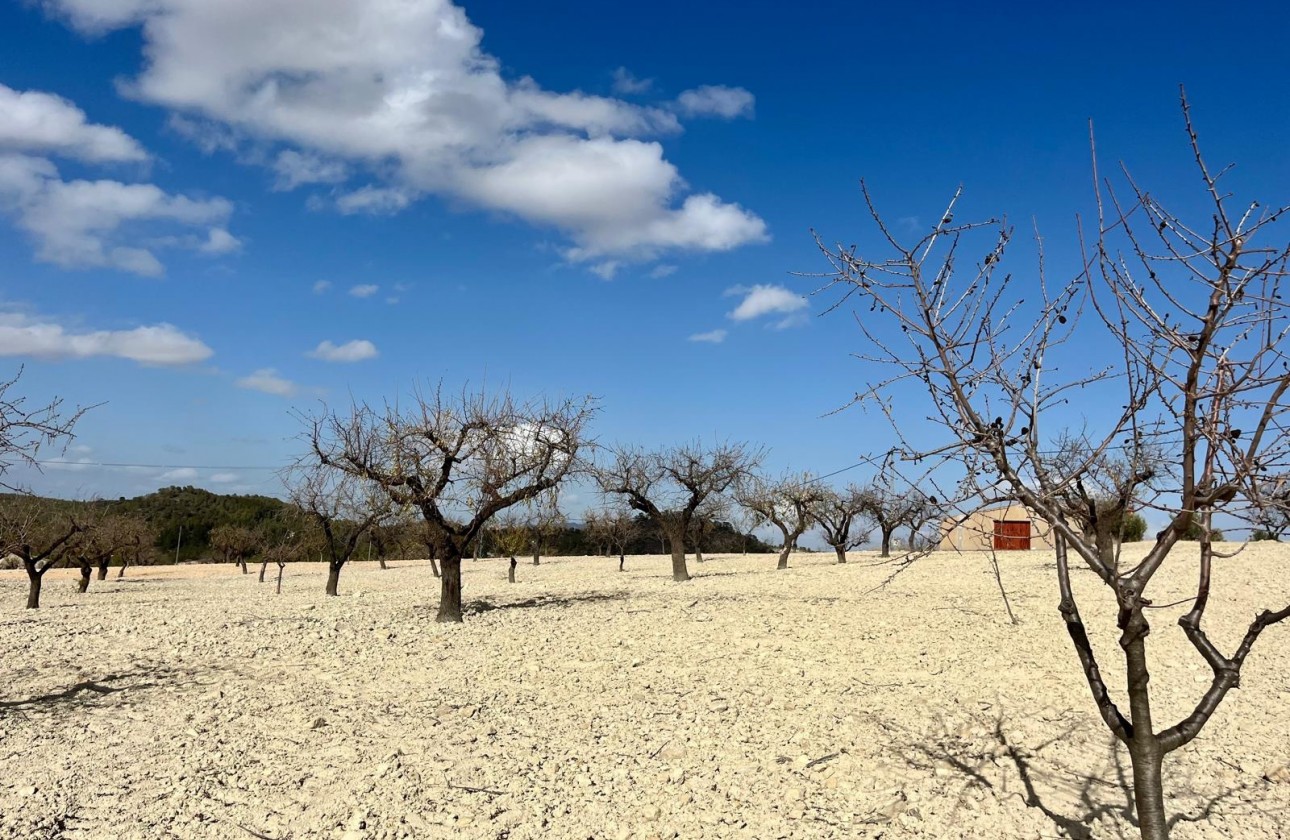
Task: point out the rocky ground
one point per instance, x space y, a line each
193 702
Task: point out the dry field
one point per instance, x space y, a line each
580 702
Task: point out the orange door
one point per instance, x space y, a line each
1011 535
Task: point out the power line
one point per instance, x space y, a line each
58 463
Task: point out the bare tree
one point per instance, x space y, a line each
616 527
235 544
785 503
38 533
542 521
889 506
459 461
706 518
1194 311
836 513
343 507
669 485
137 537
25 432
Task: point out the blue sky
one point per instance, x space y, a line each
213 213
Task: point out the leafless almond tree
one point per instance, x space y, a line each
38 534
1195 315
785 503
891 505
343 507
669 485
458 460
26 432
838 513
615 527
235 544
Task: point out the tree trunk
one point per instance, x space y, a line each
434 567
264 567
679 571
34 579
783 556
120 573
842 553
537 557
381 559
913 537
621 559
886 542
241 561
450 589
84 584
333 578
698 554
281 568
1145 752
510 574
103 567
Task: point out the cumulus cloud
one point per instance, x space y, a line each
402 91
357 350
713 337
626 84
180 474
660 271
89 223
84 224
364 290
716 101
764 300
42 123
223 478
160 344
267 380
297 168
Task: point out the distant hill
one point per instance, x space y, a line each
196 512
185 516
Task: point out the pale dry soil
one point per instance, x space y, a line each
193 702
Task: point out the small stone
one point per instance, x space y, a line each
652 813
794 794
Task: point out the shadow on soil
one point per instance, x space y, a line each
1072 800
86 692
483 605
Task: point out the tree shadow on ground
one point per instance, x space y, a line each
1071 799
86 692
483 605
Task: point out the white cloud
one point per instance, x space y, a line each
357 350
401 92
716 101
660 271
180 474
79 224
364 290
797 319
606 270
223 478
220 241
713 337
42 123
296 168
374 200
321 286
626 84
160 344
763 300
266 380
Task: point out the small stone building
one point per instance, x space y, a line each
1011 527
